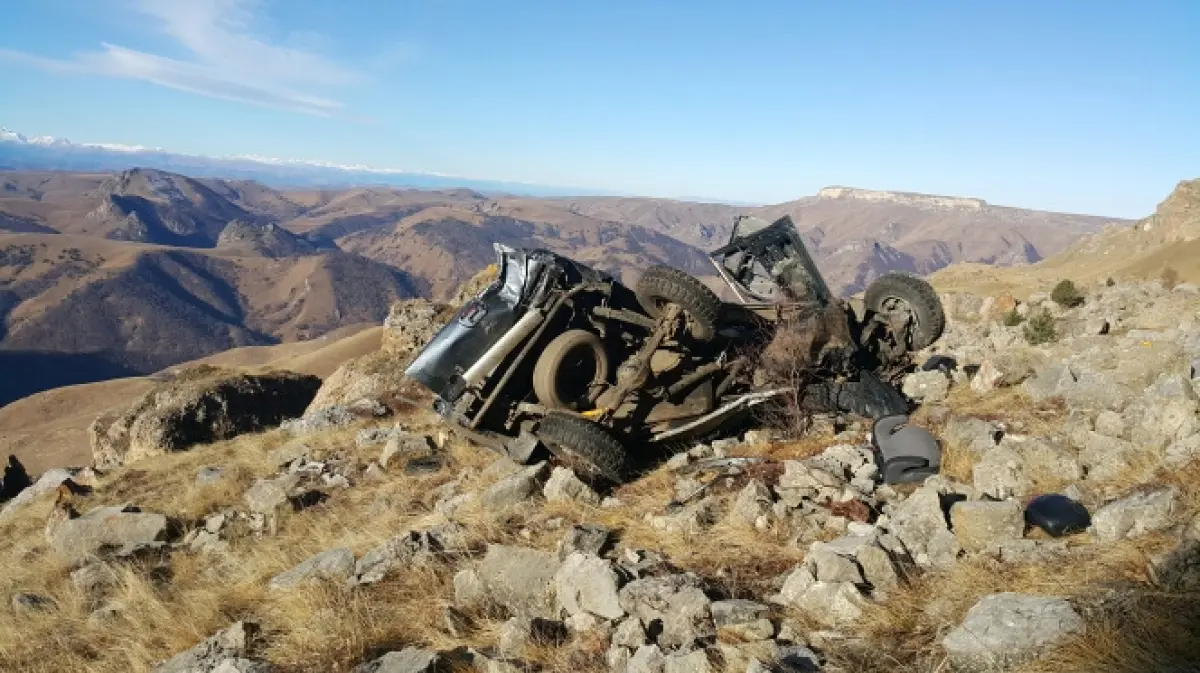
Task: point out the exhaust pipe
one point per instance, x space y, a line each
499 350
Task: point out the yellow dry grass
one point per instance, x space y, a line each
325 627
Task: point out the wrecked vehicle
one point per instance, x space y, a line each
557 354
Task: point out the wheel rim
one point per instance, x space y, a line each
577 375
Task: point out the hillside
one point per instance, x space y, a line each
118 274
75 309
359 544
1169 239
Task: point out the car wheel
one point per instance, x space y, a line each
584 446
571 364
663 285
912 298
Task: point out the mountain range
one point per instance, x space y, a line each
113 273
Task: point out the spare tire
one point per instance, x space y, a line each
583 445
567 369
901 292
662 285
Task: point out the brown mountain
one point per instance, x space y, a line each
1166 241
114 274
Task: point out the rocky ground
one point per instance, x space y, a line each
364 536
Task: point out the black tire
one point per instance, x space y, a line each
894 291
554 374
584 446
661 285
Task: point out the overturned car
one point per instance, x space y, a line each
556 354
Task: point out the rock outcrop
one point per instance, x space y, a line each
199 406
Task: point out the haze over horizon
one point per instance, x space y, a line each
1036 105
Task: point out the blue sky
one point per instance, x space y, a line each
1065 105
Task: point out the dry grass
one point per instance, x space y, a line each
169 606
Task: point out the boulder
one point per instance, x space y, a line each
982 525
677 602
120 529
227 648
1136 515
199 406
564 486
588 584
927 387
49 481
1003 473
921 525
516 488
409 325
1004 630
408 660
520 579
334 565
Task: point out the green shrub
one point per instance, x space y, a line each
1040 329
1065 294
1012 318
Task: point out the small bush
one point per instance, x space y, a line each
1170 278
1110 282
1012 318
1040 329
1065 294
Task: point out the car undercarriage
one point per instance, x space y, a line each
556 354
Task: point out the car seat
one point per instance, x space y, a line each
904 453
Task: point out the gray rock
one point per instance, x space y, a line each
692 662
374 436
47 482
588 584
1135 515
1032 551
334 565
25 603
564 486
267 495
1105 458
629 633
232 643
1003 473
209 475
677 601
743 620
984 525
401 443
586 538
516 488
118 530
1004 630
921 526
646 659
402 551
754 501
971 433
94 579
1111 424
1179 569
927 387
241 665
1046 459
469 589
829 566
834 604
520 579
408 660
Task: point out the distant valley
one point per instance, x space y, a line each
106 274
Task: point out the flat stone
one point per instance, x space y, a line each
983 525
1006 629
334 565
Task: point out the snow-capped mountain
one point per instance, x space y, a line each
20 152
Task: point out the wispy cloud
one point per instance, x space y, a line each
229 59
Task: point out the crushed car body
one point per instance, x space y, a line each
556 354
